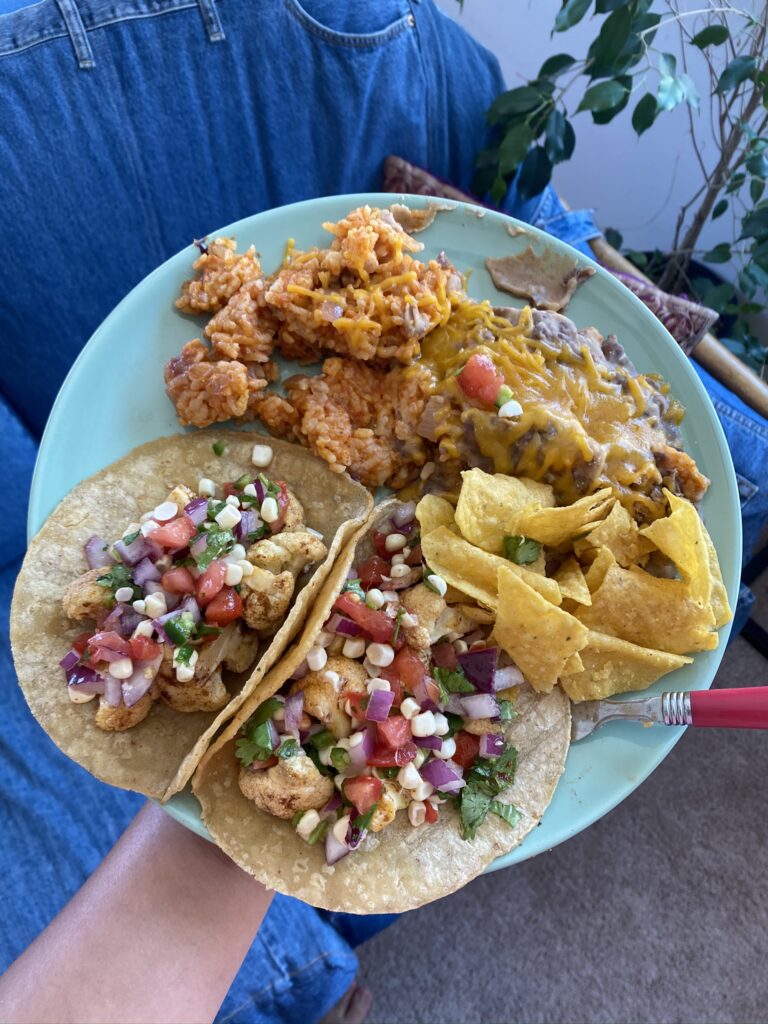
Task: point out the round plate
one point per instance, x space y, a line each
113 400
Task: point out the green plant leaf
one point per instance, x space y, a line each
604 6
535 174
644 113
735 182
614 238
756 189
514 147
716 296
667 65
720 254
670 93
757 165
755 224
690 92
498 190
719 209
555 65
738 71
560 137
712 35
603 96
604 116
514 102
638 258
610 41
570 14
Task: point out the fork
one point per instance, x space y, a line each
744 708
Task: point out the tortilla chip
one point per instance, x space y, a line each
650 612
490 505
680 536
473 571
618 532
600 566
555 526
477 614
570 578
721 609
572 666
432 512
400 867
615 666
157 756
539 637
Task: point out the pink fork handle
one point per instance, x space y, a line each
731 709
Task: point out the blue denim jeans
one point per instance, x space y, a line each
128 128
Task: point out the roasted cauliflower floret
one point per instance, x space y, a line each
265 599
121 718
480 726
386 807
292 785
294 514
84 598
287 552
324 697
204 692
426 606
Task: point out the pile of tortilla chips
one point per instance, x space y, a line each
582 595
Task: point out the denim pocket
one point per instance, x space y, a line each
354 40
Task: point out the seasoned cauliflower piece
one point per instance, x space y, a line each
386 807
204 692
292 785
121 718
325 699
294 514
241 650
480 726
287 552
265 599
84 598
222 272
427 607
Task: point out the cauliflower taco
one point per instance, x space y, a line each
395 751
161 590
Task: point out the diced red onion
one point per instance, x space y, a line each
503 678
342 625
130 621
333 804
429 742
198 546
334 850
85 680
97 553
359 754
454 705
113 693
406 528
444 655
355 835
479 666
261 492
154 587
106 654
404 514
189 604
139 683
69 660
402 582
378 705
132 553
155 550
112 621
455 768
300 671
492 744
172 601
441 775
480 705
249 523
197 510
294 706
145 572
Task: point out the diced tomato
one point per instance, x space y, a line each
143 648
112 641
282 504
178 580
379 542
176 534
229 488
394 684
444 655
210 583
480 380
410 668
467 747
81 642
386 757
415 556
377 624
372 571
394 731
224 608
430 813
362 792
358 703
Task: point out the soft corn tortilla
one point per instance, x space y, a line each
158 756
401 867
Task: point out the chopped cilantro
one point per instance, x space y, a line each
218 447
484 781
263 531
401 612
242 481
474 807
180 628
340 758
451 681
362 821
455 723
217 542
297 818
288 748
119 576
318 832
272 489
521 550
314 755
354 587
508 812
182 654
214 507
388 773
322 739
263 712
256 744
129 538
203 630
506 711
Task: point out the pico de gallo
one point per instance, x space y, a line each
195 583
400 704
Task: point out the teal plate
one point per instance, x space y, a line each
113 400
